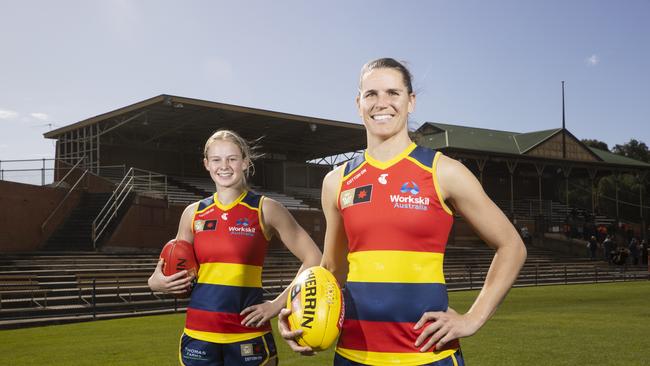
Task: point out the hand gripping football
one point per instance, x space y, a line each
316 305
179 255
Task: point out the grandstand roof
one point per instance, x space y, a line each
454 137
169 119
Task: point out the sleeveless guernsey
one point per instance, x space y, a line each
230 246
397 227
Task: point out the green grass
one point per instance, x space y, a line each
603 324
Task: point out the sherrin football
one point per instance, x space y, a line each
179 255
316 305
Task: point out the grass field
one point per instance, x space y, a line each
594 324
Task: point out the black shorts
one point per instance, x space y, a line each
258 351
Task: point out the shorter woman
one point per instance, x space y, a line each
227 321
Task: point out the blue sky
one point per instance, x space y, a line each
490 64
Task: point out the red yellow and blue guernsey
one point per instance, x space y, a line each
397 226
230 246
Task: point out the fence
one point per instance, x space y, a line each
117 296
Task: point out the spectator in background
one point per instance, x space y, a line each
644 252
608 247
593 247
634 248
525 235
602 233
629 234
611 230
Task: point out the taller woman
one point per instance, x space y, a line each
389 214
227 321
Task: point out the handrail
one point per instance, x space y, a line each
70 171
103 218
63 200
129 183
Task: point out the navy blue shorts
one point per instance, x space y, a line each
258 351
454 360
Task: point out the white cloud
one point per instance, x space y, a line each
7 114
592 60
41 116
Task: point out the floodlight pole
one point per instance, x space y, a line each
563 125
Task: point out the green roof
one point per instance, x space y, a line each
617 159
471 138
441 135
527 141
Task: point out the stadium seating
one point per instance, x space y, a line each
206 186
57 287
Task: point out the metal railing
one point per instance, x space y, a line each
43 169
70 171
135 180
65 198
113 297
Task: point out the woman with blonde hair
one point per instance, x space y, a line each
227 321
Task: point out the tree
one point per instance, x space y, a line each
596 144
633 149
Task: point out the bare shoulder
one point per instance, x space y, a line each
191 209
333 178
185 224
271 206
448 166
453 176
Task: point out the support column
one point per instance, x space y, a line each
617 176
540 173
641 178
566 172
481 167
592 176
512 165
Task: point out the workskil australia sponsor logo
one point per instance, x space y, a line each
242 227
408 198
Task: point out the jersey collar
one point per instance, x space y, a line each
232 204
387 164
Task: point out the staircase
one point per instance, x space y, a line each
76 233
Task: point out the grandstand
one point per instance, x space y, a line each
47 288
120 181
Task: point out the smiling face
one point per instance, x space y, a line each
225 163
384 102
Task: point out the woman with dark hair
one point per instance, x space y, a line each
389 213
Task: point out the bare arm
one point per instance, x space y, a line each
334 256
460 188
335 249
178 282
278 219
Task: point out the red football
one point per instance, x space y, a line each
179 255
